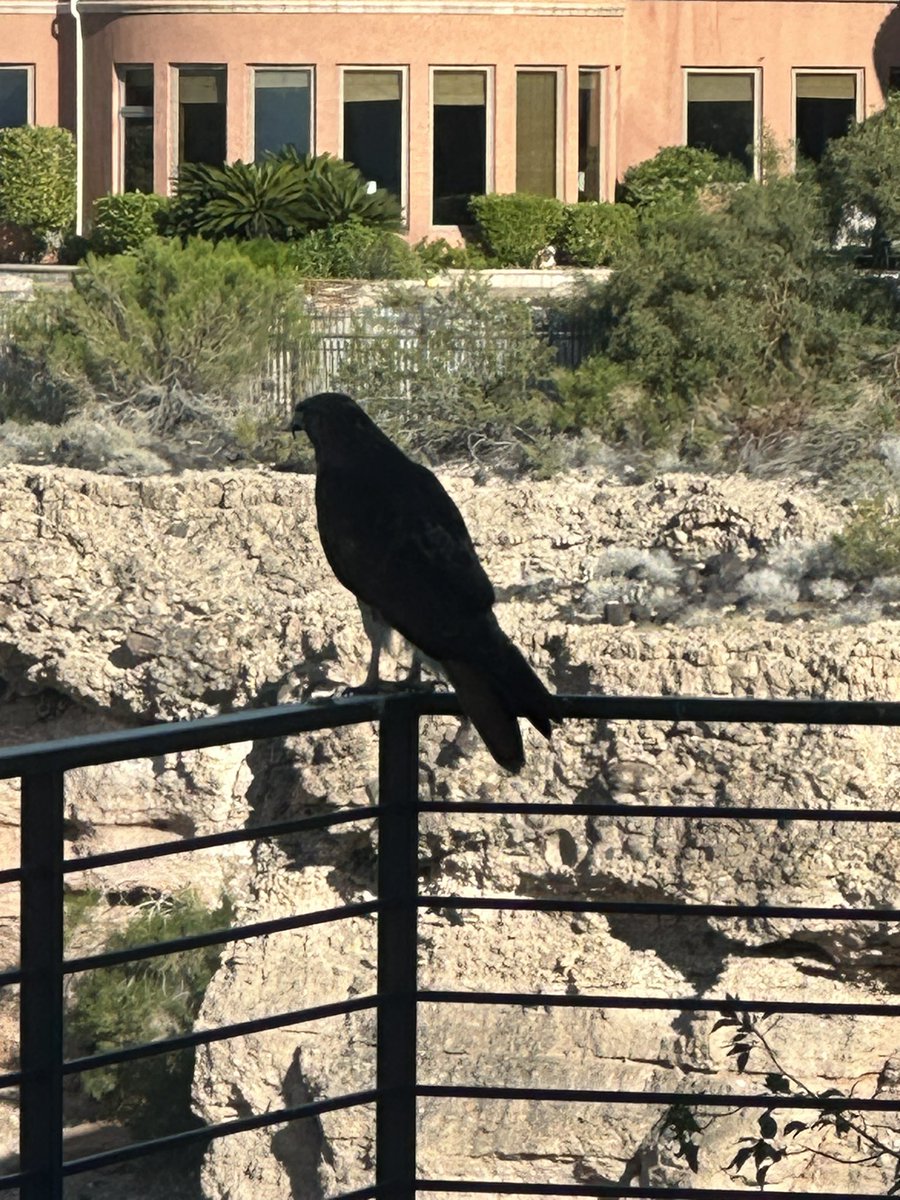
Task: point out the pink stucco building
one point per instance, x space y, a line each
437 99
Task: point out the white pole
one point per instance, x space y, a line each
79 118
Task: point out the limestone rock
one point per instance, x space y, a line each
127 601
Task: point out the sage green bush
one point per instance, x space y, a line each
170 332
738 320
860 173
869 544
141 1002
37 179
596 234
122 222
513 228
458 377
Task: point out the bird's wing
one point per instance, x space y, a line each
400 544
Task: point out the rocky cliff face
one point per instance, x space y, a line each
126 601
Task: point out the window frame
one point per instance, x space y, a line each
401 69
756 75
489 73
28 68
603 152
175 70
251 100
559 118
859 74
123 112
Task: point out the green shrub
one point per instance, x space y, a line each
459 377
741 315
37 179
354 251
860 173
596 397
514 228
869 544
160 330
595 235
143 1001
439 255
124 221
284 197
675 175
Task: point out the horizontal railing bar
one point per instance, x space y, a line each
654 908
12 1181
112 858
198 941
253 724
616 1190
172 1141
172 737
729 709
13 975
11 875
652 1003
683 811
204 1037
689 1099
11 1079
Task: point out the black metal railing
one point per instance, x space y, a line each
43 967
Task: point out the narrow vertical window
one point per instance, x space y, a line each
136 128
373 126
721 114
282 110
826 108
201 115
536 132
14 88
459 121
589 134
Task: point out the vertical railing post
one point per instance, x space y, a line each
41 995
398 845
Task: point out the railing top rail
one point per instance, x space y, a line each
252 724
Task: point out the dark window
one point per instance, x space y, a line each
281 111
373 126
460 144
826 108
13 96
720 115
536 132
136 113
201 115
589 134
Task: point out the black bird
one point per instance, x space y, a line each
394 537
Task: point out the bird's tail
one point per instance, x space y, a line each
494 692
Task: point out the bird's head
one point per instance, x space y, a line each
328 417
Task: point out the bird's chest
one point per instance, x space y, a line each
357 525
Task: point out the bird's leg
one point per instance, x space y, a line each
378 634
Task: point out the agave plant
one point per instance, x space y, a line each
244 200
335 191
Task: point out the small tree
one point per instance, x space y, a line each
675 175
860 174
37 180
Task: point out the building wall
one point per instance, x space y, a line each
643 46
663 37
329 41
35 37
